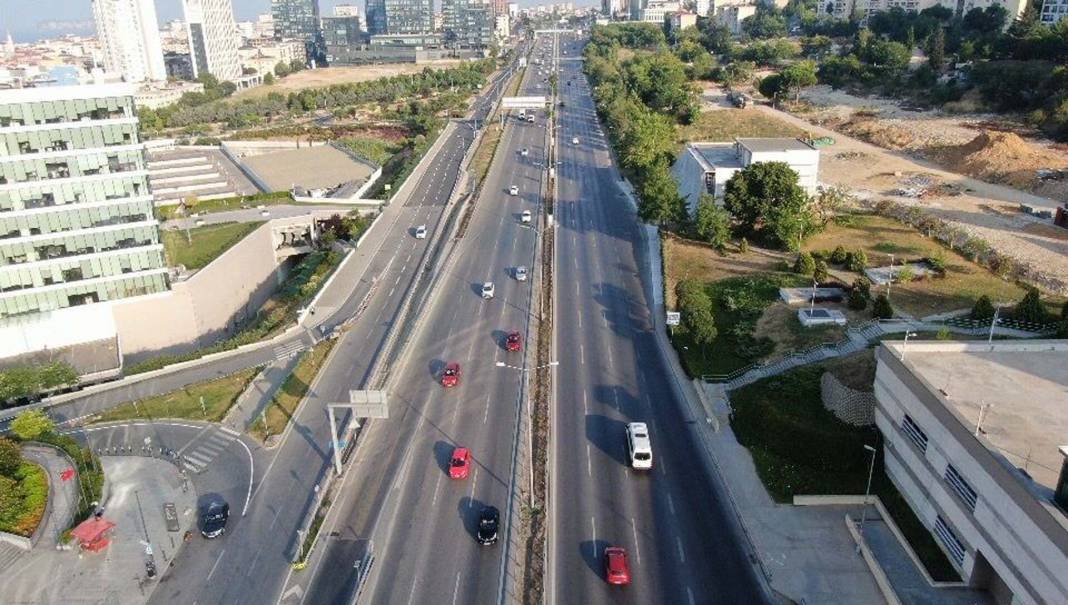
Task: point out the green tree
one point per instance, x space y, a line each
805 264
1030 307
268 78
857 300
821 274
863 285
712 223
857 260
816 46
10 457
737 72
24 381
743 246
696 310
773 87
766 199
881 309
31 424
936 50
297 65
660 199
768 22
797 77
282 69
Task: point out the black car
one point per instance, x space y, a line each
213 519
488 522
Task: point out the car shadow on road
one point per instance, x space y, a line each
499 337
591 552
436 367
616 397
468 509
608 435
443 454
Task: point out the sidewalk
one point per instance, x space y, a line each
259 393
62 495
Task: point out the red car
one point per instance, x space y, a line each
451 376
459 463
514 342
616 570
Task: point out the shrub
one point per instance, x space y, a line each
805 264
743 246
857 261
31 424
944 334
937 262
983 308
10 457
905 274
881 309
857 300
1030 307
820 273
863 284
839 256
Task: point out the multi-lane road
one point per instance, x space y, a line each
399 503
250 565
674 526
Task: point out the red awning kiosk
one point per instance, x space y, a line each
92 534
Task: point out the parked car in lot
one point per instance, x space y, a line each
450 377
489 520
460 463
616 568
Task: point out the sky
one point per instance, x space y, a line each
30 20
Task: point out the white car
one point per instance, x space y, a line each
525 152
521 273
574 140
639 448
487 290
420 232
525 217
513 190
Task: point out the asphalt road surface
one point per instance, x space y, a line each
252 563
398 500
670 520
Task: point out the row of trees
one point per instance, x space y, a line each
207 109
18 383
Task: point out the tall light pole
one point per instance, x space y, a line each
867 493
906 345
993 322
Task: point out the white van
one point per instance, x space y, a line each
639 448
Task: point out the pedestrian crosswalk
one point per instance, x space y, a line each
288 350
200 452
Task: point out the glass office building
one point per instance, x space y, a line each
76 212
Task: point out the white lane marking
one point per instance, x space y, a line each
593 525
671 504
689 595
582 353
456 589
411 594
610 363
589 465
485 415
634 530
390 295
678 544
585 403
213 567
474 482
437 488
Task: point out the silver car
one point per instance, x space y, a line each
521 273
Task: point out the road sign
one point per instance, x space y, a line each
673 318
369 404
523 102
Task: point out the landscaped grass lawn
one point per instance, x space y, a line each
376 150
203 244
878 236
219 395
166 213
292 392
723 125
800 448
24 501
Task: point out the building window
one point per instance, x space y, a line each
914 433
961 487
949 540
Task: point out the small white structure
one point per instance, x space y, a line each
706 167
818 316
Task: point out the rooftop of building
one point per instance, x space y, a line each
1015 392
774 144
712 155
53 93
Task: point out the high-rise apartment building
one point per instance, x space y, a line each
213 38
341 31
129 33
400 17
862 9
76 213
295 19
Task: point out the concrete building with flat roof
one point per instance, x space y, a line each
129 34
706 167
975 438
213 38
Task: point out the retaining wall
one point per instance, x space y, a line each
849 405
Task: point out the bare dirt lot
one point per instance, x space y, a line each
985 209
328 76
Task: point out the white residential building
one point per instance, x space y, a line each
656 12
213 38
862 9
706 167
129 34
1053 11
974 439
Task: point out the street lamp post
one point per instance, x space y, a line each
906 345
867 493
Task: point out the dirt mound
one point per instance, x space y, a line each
876 132
999 157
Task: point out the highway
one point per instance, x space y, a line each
398 502
673 523
251 565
